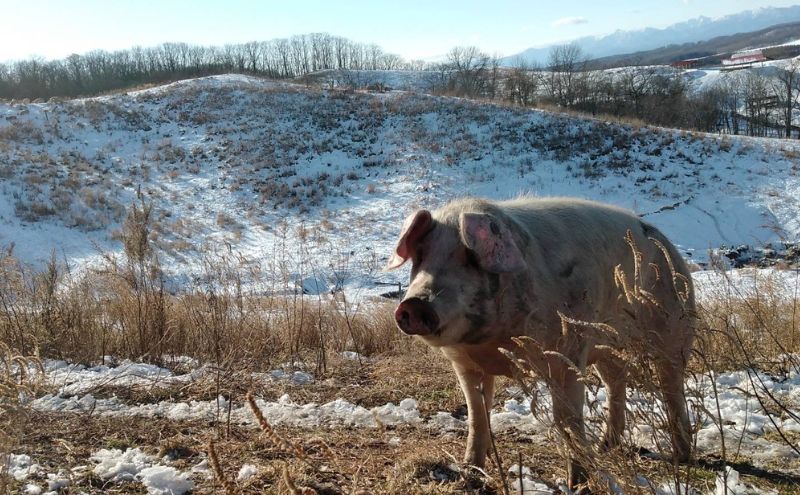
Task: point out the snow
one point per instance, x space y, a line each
134 465
77 379
57 481
747 283
202 468
20 466
743 420
116 465
526 484
338 412
729 484
246 472
165 480
353 356
357 164
730 480
31 489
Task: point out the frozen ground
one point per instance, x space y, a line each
741 419
734 413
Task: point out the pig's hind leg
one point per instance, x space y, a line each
614 377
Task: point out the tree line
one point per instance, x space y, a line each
98 71
756 103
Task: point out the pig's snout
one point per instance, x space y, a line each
415 316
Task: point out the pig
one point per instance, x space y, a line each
484 272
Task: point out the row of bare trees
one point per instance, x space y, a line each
756 102
99 71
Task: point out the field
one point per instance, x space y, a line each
392 421
170 250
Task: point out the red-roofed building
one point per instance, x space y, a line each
686 64
745 58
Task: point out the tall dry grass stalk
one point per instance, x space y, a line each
20 380
122 307
230 486
295 449
274 437
290 485
755 331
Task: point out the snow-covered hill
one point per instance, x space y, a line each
242 165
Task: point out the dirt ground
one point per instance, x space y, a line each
405 459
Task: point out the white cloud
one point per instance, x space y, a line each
569 21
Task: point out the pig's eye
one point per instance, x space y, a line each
420 255
470 260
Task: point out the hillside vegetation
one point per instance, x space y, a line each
237 163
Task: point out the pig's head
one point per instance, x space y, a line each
458 260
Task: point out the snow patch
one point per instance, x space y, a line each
31 489
246 472
116 465
134 465
165 480
19 466
526 484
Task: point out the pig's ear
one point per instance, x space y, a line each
414 228
492 242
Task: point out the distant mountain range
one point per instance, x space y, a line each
691 31
771 40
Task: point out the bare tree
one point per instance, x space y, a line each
391 61
521 83
567 66
635 84
732 94
786 86
373 56
468 69
758 102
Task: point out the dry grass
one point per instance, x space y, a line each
123 310
20 380
760 330
392 460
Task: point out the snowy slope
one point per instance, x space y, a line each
268 170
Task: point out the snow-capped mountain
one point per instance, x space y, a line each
698 29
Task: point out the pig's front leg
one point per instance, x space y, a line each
478 388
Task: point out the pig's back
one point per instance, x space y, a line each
576 244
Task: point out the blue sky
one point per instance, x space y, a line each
410 28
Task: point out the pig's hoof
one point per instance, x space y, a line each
475 461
